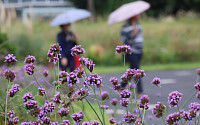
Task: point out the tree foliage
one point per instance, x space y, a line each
158 7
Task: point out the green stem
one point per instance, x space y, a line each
179 113
163 120
136 104
55 88
143 115
124 61
91 107
6 102
127 115
198 119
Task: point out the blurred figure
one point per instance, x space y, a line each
131 34
67 40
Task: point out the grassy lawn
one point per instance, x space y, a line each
156 67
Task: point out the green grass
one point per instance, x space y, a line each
152 67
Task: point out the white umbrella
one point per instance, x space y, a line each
127 11
70 17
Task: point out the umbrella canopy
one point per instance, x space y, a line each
127 11
70 17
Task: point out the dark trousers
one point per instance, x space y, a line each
134 60
70 65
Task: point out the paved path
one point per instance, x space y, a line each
182 81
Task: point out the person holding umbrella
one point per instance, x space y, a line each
131 33
67 39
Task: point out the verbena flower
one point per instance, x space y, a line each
31 104
173 119
123 49
41 91
63 76
30 59
10 58
104 106
63 112
88 63
114 80
144 100
77 50
198 95
11 114
86 123
156 81
195 106
150 117
112 120
78 117
129 118
159 109
95 122
186 115
193 113
198 71
65 122
15 120
26 123
72 79
197 86
93 79
48 107
82 93
56 83
174 98
46 120
104 95
117 87
57 98
45 73
125 93
80 72
9 75
27 97
124 102
15 88
54 53
114 101
158 94
29 68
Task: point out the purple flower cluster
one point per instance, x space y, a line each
88 63
41 91
156 81
125 93
72 79
77 50
129 118
65 122
57 98
144 100
124 102
13 120
27 97
85 123
31 104
104 107
123 49
78 117
55 83
63 76
186 116
173 119
93 79
197 86
63 112
82 93
116 86
159 109
79 72
95 122
174 98
114 101
198 95
29 68
198 71
10 58
48 107
30 59
112 121
54 53
9 75
104 95
45 73
195 106
11 114
26 123
132 73
15 88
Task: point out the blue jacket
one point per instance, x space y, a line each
67 42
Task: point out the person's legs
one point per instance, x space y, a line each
139 84
71 63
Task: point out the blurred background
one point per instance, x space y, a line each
170 27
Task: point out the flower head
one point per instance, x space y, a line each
63 112
104 95
72 79
88 63
112 120
65 122
15 88
10 58
11 114
45 73
30 59
124 102
197 86
174 98
198 71
9 75
93 79
114 101
86 123
198 95
77 50
27 97
159 109
195 106
29 68
41 91
104 107
173 119
125 93
57 98
156 81
78 116
54 53
95 122
114 80
129 118
123 49
144 100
